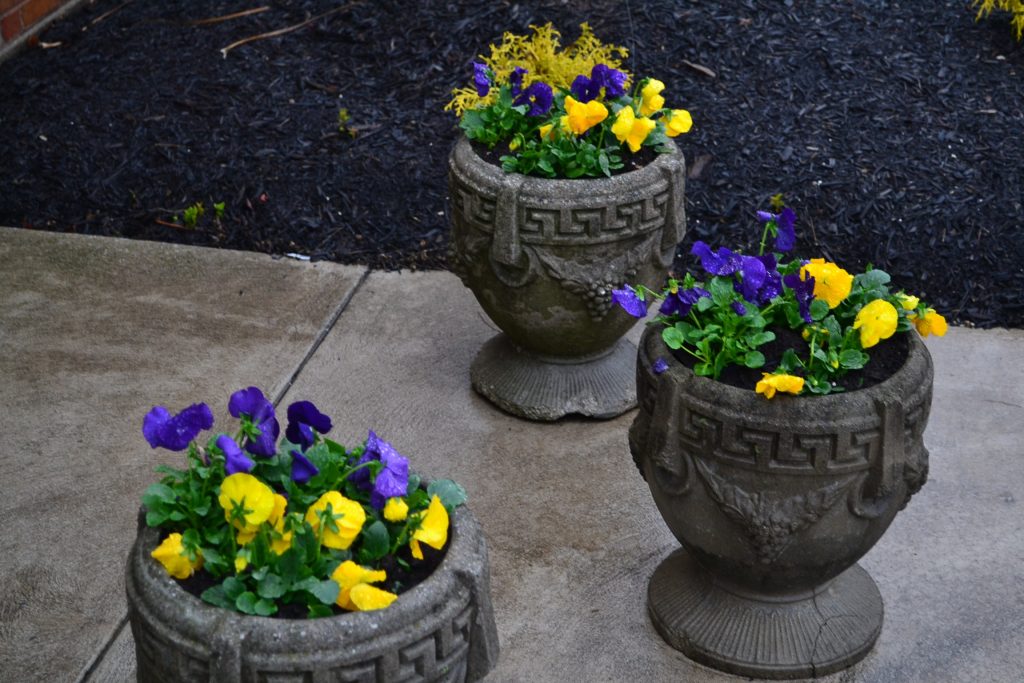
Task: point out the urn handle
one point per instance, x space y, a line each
669 464
883 482
674 231
505 245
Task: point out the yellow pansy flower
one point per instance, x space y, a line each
771 383
876 321
245 535
241 563
907 301
365 597
930 323
832 284
678 122
350 576
545 131
396 510
631 130
582 116
244 490
650 97
350 522
171 554
433 529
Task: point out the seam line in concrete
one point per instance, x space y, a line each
324 331
99 656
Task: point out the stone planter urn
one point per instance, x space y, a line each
440 630
542 257
774 502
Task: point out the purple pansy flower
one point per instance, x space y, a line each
539 96
739 308
679 303
174 432
612 80
392 480
804 290
584 89
754 274
515 80
721 262
659 366
628 299
601 76
480 79
303 418
786 239
765 216
235 460
253 403
302 469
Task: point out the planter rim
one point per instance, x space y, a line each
653 346
461 541
543 187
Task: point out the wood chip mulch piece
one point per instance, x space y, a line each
895 129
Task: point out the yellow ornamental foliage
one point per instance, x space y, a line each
630 129
771 383
679 121
544 59
876 321
584 116
242 490
832 284
1014 7
433 529
171 554
650 97
349 516
930 323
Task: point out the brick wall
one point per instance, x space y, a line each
20 20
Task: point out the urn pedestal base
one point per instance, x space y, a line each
546 389
764 636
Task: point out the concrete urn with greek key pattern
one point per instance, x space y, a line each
773 502
440 631
542 258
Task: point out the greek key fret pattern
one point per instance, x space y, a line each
792 452
560 225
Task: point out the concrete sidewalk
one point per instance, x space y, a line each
94 331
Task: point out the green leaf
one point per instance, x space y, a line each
155 518
873 278
317 611
246 602
375 542
852 359
451 494
703 369
155 494
215 596
271 586
233 587
672 338
326 591
265 608
721 291
704 304
754 340
819 309
754 359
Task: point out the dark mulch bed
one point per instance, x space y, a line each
894 127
